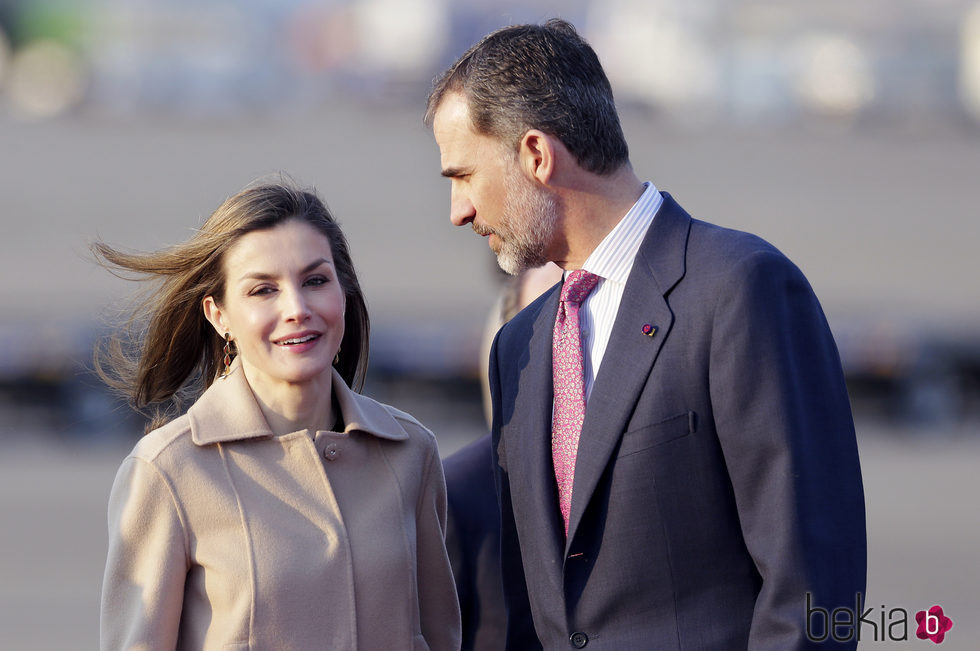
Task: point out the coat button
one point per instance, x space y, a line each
578 639
330 452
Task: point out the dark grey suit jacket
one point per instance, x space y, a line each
717 480
473 543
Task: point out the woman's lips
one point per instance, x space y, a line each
298 343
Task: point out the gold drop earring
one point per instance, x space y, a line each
227 360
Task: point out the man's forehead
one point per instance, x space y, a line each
453 114
460 145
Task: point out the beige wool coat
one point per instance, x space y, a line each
224 536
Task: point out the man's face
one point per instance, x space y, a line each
491 193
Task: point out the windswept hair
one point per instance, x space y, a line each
543 77
168 353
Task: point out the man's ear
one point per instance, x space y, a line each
214 314
537 155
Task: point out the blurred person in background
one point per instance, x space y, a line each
283 509
673 443
473 525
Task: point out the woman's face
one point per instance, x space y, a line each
283 304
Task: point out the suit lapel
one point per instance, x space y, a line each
630 353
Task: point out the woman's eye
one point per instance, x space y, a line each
259 291
316 280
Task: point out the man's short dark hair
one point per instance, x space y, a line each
543 77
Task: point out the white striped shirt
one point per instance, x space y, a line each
612 261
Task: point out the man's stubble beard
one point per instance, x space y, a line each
530 218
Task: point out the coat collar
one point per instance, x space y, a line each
228 411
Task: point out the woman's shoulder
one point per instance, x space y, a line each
407 426
417 432
173 438
411 424
159 459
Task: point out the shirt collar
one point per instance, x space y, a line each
613 259
228 411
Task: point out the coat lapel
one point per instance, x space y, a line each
631 353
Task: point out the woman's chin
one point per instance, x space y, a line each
292 374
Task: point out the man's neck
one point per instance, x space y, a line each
592 206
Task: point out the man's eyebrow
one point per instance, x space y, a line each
453 172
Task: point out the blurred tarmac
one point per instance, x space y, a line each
923 532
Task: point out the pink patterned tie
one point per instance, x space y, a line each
567 371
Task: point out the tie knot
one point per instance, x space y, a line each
577 286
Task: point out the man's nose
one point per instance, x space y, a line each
461 211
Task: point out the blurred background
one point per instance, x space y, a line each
848 134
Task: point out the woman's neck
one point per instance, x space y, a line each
293 407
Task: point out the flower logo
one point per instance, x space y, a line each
933 624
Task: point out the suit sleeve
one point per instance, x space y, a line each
458 559
520 626
438 605
143 588
784 422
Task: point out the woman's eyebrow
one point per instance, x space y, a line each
259 275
